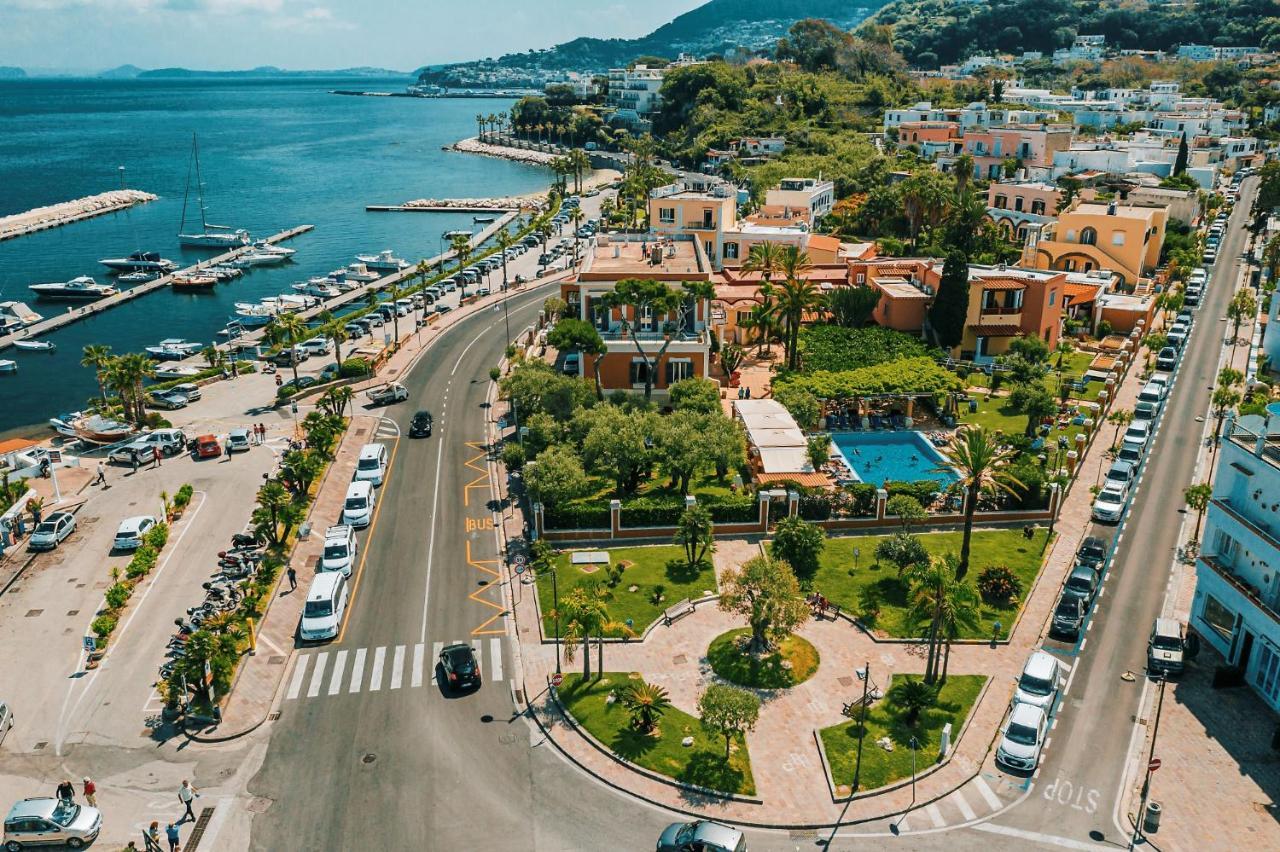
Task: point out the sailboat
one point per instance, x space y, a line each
210 236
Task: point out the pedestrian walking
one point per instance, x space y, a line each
6 537
279 380
293 578
90 792
151 838
22 525
262 430
187 795
155 456
66 792
171 832
134 457
234 370
102 474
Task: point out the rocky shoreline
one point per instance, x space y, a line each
503 152
40 218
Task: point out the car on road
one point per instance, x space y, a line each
132 454
238 441
1177 335
1068 617
420 425
52 531
340 549
1167 359
169 400
131 531
1122 472
1139 432
1092 552
207 447
1082 583
702 835
358 508
387 394
317 346
1165 647
190 390
483 291
329 373
1108 506
289 357
1038 683
355 329
1193 295
460 666
1022 738
325 606
371 464
291 387
168 441
47 821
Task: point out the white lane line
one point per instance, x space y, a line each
375 676
357 672
936 815
419 652
1037 837
436 648
431 545
317 674
987 793
495 653
958 798
335 679
299 672
397 668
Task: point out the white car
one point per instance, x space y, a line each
52 531
238 441
1022 738
1139 432
1038 685
130 533
317 346
340 548
1108 506
325 606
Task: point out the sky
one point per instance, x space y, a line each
91 35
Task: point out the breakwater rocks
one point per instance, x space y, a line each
41 218
519 155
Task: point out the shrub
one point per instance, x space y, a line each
103 626
577 516
815 507
158 536
652 511
144 559
117 596
799 544
513 457
353 367
925 491
736 508
998 584
862 497
182 498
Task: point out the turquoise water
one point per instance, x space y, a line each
274 154
900 456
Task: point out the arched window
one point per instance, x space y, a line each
1037 207
1089 237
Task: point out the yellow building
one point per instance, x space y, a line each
1123 238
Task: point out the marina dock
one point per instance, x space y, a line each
77 210
74 314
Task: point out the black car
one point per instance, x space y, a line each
1092 552
460 666
1068 618
420 426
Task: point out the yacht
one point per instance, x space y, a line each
173 349
321 288
250 315
82 289
16 315
271 248
383 261
139 261
137 277
209 236
258 258
195 281
359 272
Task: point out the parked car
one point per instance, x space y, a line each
1167 359
168 441
1022 738
1038 683
1122 472
317 346
482 291
1165 647
358 508
420 426
1082 583
329 373
1068 617
1130 452
702 835
46 821
238 441
325 605
371 465
52 531
1138 433
131 531
1108 506
190 390
340 549
1177 335
1092 552
460 666
132 455
289 357
207 447
1192 295
169 400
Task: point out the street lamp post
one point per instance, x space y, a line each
862 727
893 827
555 609
1146 781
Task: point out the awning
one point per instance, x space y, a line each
806 480
1001 283
785 460
996 330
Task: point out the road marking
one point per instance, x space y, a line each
317 674
482 333
986 792
495 653
397 668
335 680
299 671
418 655
436 648
368 539
375 677
357 672
431 544
934 814
963 805
1037 837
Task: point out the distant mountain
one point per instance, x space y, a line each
123 72
8 72
267 71
716 27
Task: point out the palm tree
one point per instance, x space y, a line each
395 291
982 464
1120 418
912 696
97 357
504 241
423 270
930 584
480 125
460 244
645 703
335 400
765 258
797 298
337 335
576 216
135 368
961 613
286 330
582 613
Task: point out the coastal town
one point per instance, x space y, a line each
869 433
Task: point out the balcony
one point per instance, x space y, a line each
1262 531
1253 594
616 334
999 311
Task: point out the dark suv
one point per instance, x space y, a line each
1068 617
460 666
1092 552
420 426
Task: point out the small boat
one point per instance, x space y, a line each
188 283
82 289
359 272
16 315
258 258
7 366
321 288
137 277
383 261
139 261
249 315
64 424
101 430
264 247
182 371
173 349
34 345
225 272
484 220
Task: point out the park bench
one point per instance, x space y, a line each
677 610
590 557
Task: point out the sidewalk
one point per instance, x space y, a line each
71 482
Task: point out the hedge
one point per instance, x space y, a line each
576 516
925 491
652 511
729 510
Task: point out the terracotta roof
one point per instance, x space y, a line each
995 330
1080 293
824 243
808 480
13 445
1001 283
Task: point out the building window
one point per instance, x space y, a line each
667 215
678 369
1266 677
730 251
1037 207
1089 237
1053 295
1001 202
710 249
743 316
639 371
1117 238
1017 203
1218 617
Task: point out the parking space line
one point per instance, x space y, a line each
317 674
397 668
335 679
419 653
299 672
934 814
987 793
357 671
963 805
375 676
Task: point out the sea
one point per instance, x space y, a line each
274 154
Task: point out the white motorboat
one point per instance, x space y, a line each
287 303
137 277
139 261
225 272
16 315
360 272
64 424
256 258
35 345
209 236
321 288
7 366
183 371
383 261
271 248
173 349
82 289
250 315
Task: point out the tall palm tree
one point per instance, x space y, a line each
982 464
582 613
765 258
581 164
495 125
480 125
576 216
796 298
1120 418
460 244
395 291
961 613
337 335
127 373
504 241
97 357
422 270
286 330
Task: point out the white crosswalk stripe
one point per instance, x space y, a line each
317 674
495 657
934 814
397 668
335 680
357 672
419 652
375 679
299 672
984 790
957 798
387 666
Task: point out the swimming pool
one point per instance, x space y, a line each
900 456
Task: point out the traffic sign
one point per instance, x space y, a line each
519 559
557 679
1153 765
519 569
90 644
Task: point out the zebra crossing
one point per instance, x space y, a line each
983 796
333 672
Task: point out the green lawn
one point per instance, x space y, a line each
702 764
735 666
871 586
996 414
880 767
646 569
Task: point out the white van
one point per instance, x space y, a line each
317 346
325 606
358 510
340 549
372 464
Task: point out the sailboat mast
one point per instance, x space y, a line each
182 226
195 147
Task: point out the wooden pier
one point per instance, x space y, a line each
74 314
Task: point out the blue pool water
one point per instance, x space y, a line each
902 456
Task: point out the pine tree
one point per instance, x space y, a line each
1180 164
951 305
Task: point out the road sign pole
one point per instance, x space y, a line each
1152 765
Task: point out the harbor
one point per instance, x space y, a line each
56 215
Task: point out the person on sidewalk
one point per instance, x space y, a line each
186 795
6 537
151 838
171 833
66 792
155 456
102 474
293 578
90 792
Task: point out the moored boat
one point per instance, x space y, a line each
383 261
64 424
193 282
81 289
209 236
35 345
101 430
7 366
139 261
16 315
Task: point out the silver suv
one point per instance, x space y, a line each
40 822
